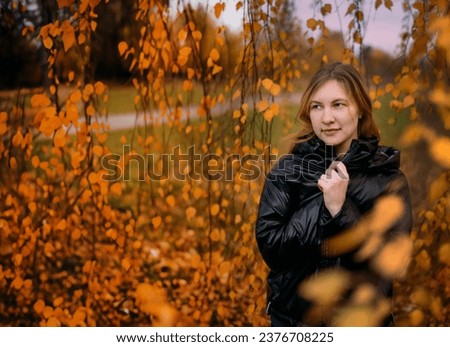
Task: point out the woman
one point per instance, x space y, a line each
330 182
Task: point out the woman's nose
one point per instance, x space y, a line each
328 116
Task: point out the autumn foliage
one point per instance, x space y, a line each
77 249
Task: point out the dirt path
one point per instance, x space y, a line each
129 120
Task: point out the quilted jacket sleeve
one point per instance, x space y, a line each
283 234
349 215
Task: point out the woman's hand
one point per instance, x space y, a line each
334 184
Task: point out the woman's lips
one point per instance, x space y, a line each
330 131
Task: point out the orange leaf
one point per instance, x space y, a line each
268 115
261 106
53 322
182 35
123 46
218 8
116 188
68 36
408 101
40 100
17 139
39 306
325 9
61 225
311 23
215 209
156 221
214 54
126 264
216 69
190 212
99 88
59 139
267 83
48 42
440 149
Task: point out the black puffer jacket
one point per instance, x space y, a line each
293 220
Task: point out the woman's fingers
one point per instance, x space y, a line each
337 169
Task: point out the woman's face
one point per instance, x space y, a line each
334 115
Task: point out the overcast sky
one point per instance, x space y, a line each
383 30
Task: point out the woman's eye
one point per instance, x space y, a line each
339 105
315 107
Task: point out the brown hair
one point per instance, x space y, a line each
351 79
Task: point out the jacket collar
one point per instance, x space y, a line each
360 154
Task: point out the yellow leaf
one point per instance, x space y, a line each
268 115
393 260
261 106
97 150
224 268
190 73
123 46
440 151
438 187
408 101
377 105
275 108
216 69
267 83
376 79
444 254
412 135
326 287
275 89
190 212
